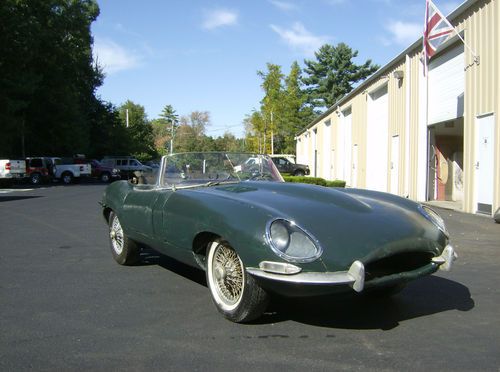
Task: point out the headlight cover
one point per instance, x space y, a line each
291 242
435 218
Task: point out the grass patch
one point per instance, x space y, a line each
314 181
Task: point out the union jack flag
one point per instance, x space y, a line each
437 29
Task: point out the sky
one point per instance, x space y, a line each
203 55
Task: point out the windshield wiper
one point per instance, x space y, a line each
216 183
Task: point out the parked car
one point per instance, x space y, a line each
285 166
11 170
127 165
66 171
39 169
103 172
255 235
286 156
152 163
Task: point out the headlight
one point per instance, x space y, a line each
435 218
292 243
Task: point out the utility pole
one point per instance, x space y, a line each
172 138
126 116
272 134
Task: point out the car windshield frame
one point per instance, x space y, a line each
198 169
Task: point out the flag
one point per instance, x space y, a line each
437 30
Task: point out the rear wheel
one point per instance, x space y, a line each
35 178
124 250
235 293
67 178
105 177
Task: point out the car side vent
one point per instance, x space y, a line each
397 263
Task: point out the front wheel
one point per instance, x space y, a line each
124 250
235 293
299 173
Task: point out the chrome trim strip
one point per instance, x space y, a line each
355 277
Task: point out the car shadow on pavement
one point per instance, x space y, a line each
423 297
8 198
151 257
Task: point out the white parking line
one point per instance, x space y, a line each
6 191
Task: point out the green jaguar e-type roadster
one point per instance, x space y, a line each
254 235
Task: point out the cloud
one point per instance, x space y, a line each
403 33
218 18
113 57
300 39
284 5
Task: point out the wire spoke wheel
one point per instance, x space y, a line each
116 235
228 275
235 293
124 250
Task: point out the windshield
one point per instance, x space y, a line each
213 168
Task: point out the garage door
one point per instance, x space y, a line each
377 142
446 86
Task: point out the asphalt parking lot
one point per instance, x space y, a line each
66 305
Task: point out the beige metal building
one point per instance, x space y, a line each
432 137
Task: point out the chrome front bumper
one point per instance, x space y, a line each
354 277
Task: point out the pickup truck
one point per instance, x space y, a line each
11 170
284 165
67 172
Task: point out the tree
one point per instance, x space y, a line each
108 135
296 114
164 129
332 75
190 134
140 132
272 103
228 142
47 76
254 129
283 113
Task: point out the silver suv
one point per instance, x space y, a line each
126 164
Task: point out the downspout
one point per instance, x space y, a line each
407 125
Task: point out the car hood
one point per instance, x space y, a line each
349 224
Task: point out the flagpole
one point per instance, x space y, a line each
436 9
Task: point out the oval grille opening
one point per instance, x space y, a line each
397 263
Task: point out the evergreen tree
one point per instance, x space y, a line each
332 75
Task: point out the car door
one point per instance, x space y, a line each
137 212
287 166
279 165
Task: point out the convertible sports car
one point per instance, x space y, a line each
254 235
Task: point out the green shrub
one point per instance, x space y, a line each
315 181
